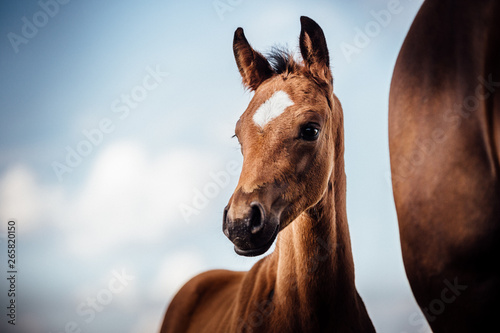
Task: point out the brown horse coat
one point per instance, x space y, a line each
444 131
292 183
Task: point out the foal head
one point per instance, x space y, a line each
288 137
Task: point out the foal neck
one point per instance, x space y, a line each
315 269
316 247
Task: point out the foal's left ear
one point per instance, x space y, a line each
314 50
253 67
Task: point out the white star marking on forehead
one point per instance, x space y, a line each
272 108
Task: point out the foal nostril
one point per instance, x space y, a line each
224 222
256 217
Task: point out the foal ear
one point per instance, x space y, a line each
253 67
314 50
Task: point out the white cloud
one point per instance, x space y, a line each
131 198
24 200
18 197
127 197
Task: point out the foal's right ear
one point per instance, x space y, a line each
253 67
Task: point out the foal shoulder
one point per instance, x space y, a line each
191 296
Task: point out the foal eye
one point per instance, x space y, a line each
309 132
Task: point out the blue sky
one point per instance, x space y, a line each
117 116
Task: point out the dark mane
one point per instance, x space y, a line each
282 61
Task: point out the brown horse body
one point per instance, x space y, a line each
292 183
444 130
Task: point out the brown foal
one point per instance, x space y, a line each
292 187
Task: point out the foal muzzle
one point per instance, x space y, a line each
251 229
